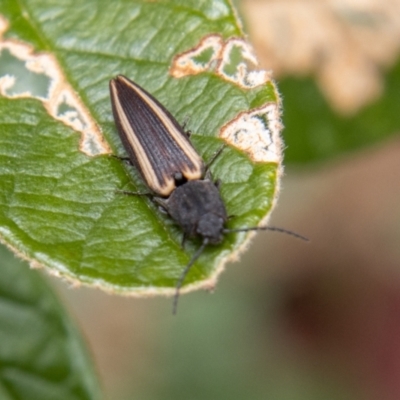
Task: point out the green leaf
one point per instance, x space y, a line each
315 132
41 353
58 200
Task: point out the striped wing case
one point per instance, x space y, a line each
155 142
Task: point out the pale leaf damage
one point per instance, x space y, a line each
26 74
257 133
231 59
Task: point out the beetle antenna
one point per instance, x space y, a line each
268 228
185 272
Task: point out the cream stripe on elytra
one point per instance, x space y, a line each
182 143
145 164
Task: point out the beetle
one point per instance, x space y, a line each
179 180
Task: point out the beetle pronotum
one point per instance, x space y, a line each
172 169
